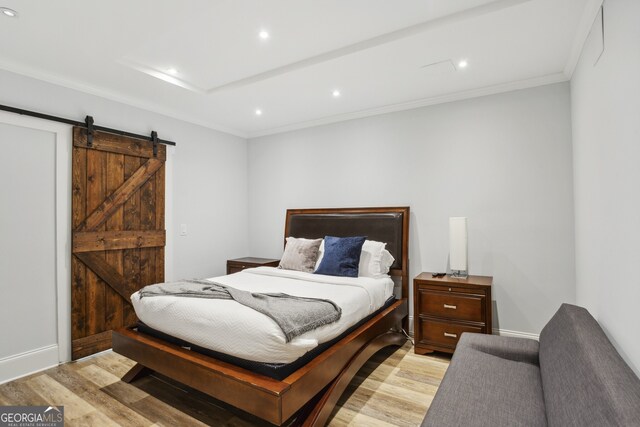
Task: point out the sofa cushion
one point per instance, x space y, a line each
482 389
585 380
511 348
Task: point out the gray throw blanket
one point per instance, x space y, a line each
294 315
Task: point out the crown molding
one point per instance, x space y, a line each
424 102
113 96
582 34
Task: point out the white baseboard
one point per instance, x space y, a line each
27 363
501 332
517 334
410 331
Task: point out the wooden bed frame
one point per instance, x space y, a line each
307 396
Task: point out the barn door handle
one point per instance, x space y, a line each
446 334
451 306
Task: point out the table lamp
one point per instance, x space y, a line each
458 247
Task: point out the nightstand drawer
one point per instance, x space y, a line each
239 264
235 268
443 334
451 305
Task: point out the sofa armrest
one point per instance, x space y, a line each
511 348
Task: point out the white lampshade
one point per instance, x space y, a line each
458 243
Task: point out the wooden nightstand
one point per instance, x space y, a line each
445 307
239 264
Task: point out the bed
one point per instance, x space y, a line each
319 365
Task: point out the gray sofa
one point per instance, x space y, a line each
572 377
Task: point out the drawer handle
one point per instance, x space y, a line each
447 334
450 306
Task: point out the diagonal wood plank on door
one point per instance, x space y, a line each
118 197
107 273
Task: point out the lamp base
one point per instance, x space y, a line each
459 274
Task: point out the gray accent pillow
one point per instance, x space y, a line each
300 254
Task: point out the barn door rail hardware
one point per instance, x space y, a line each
154 139
89 123
91 128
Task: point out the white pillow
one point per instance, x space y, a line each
370 259
386 261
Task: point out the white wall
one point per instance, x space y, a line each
28 250
606 136
206 173
504 161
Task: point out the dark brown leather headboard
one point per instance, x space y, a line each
389 225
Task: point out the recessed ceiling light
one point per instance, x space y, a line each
336 93
172 71
263 35
463 64
258 112
9 12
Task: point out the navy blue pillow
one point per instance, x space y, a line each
341 256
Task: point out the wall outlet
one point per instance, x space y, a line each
183 229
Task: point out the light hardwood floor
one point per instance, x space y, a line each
394 388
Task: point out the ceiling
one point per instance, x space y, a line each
378 54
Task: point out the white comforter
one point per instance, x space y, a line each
229 327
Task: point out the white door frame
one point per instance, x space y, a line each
63 140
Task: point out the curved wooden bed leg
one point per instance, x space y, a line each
319 414
138 371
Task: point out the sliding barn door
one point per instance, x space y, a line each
118 233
